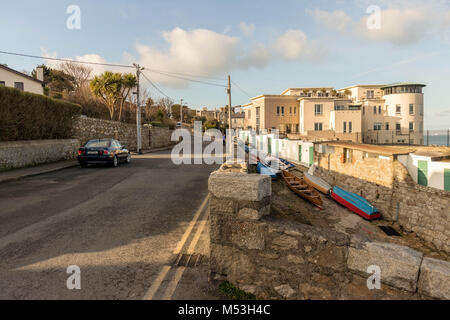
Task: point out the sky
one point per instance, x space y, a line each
265 46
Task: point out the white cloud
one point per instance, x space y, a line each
247 29
401 23
95 58
337 20
295 45
202 52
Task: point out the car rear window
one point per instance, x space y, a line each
98 144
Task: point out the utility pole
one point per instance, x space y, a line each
138 110
181 112
229 102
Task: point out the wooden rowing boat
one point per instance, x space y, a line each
301 188
317 183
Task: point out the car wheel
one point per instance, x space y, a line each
128 160
115 162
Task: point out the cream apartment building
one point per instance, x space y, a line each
15 79
363 113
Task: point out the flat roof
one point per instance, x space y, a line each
397 84
272 96
364 86
371 148
305 88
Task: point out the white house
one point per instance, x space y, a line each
15 79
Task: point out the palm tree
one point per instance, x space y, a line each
107 87
128 82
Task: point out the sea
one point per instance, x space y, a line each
440 140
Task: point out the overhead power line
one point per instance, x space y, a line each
187 79
242 90
156 87
66 60
188 75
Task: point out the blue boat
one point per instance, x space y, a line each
289 165
355 203
268 171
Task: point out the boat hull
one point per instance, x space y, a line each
351 201
317 183
294 182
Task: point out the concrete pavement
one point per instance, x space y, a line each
121 226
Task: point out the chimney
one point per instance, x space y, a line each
40 74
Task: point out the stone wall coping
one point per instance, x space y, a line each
239 186
21 143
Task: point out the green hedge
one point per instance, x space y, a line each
28 116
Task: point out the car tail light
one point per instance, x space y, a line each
79 152
105 152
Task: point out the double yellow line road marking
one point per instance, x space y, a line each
170 289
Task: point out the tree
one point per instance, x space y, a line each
108 87
79 74
128 82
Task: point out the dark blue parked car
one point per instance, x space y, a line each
107 151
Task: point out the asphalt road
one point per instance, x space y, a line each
120 226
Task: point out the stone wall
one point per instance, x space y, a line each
422 210
159 137
18 154
386 183
278 259
90 128
152 137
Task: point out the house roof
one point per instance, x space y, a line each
396 84
306 88
363 86
2 66
370 148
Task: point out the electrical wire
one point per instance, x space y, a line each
165 73
66 60
187 79
156 87
188 75
242 90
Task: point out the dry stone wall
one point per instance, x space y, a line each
274 258
18 154
386 183
90 128
152 137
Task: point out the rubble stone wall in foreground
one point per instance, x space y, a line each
278 259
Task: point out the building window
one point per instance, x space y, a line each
18 85
411 126
379 109
339 107
278 110
398 109
318 126
411 108
374 109
364 110
282 111
296 128
318 108
377 126
387 125
345 126
290 110
370 94
295 110
397 126
350 129
2 83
